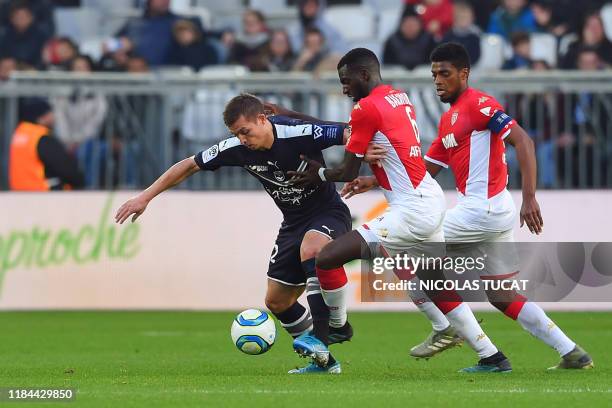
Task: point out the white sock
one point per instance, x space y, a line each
439 322
534 320
462 319
335 299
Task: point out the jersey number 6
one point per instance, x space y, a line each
413 123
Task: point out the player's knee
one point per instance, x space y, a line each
325 258
501 306
309 251
501 296
277 306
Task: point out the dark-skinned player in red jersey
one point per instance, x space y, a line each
386 116
471 142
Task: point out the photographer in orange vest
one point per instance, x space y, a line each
38 161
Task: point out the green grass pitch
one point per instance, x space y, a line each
185 359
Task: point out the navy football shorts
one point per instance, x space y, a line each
285 264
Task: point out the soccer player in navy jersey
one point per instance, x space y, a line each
269 147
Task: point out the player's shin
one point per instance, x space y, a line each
439 322
533 319
296 319
318 308
460 316
334 288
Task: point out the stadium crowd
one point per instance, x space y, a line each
160 37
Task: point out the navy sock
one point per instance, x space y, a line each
296 320
318 308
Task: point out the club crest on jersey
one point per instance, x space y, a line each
482 100
454 118
210 154
279 175
486 111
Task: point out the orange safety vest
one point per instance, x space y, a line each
26 170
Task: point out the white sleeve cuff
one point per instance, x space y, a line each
439 163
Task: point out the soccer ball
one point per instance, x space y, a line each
253 331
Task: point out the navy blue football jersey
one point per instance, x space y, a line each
292 137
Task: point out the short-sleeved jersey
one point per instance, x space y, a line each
471 142
291 138
387 117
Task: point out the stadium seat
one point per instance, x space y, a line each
268 5
544 47
202 13
224 70
388 22
354 23
606 16
92 47
180 6
383 5
492 57
221 6
77 23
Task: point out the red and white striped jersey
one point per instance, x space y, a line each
471 142
387 117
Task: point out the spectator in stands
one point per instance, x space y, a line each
38 161
137 64
23 39
587 136
483 9
437 15
464 31
315 56
42 10
510 17
410 45
78 121
7 65
151 34
250 46
521 52
192 49
116 53
592 35
59 53
311 15
546 20
280 55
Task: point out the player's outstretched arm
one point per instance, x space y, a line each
525 153
172 177
274 109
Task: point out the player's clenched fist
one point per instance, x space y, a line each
136 206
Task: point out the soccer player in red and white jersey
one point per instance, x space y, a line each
471 142
385 115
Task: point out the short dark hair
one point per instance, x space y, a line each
360 58
243 104
519 37
452 52
19 5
